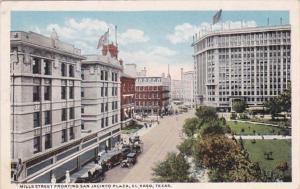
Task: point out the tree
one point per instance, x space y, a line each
226 160
206 114
174 168
273 107
216 152
186 147
285 99
239 106
214 127
190 126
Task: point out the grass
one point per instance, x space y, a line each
248 128
131 128
281 152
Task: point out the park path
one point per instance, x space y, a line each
265 137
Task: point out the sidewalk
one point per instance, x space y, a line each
265 137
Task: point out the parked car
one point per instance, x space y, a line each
93 176
130 160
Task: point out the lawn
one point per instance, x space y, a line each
248 128
281 152
131 128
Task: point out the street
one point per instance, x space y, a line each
158 141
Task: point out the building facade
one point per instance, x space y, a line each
101 98
250 64
183 90
152 94
188 86
127 99
45 103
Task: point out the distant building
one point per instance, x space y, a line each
152 94
45 105
250 64
127 98
183 90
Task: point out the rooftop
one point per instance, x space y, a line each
240 31
50 43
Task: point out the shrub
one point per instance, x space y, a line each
233 115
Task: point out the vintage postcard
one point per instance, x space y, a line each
150 94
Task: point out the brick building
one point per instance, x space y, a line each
152 94
127 98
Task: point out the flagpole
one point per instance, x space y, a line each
116 36
108 36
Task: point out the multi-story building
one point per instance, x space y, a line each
101 98
176 90
187 79
252 64
127 98
45 105
152 94
183 90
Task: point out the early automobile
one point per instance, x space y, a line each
94 175
130 160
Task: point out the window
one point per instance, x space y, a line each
112 91
36 144
72 113
106 75
82 93
106 121
63 69
72 134
112 76
36 119
116 77
116 91
48 141
82 110
64 114
64 135
82 76
112 119
116 118
102 107
36 66
116 104
112 105
106 106
102 75
63 92
47 117
47 92
106 91
71 71
36 93
71 92
47 67
102 91
102 123
82 125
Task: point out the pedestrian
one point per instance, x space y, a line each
150 125
106 148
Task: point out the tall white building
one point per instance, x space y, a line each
252 64
183 90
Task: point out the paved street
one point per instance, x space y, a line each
158 141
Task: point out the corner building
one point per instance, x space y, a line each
45 104
251 64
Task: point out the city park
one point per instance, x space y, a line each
243 147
